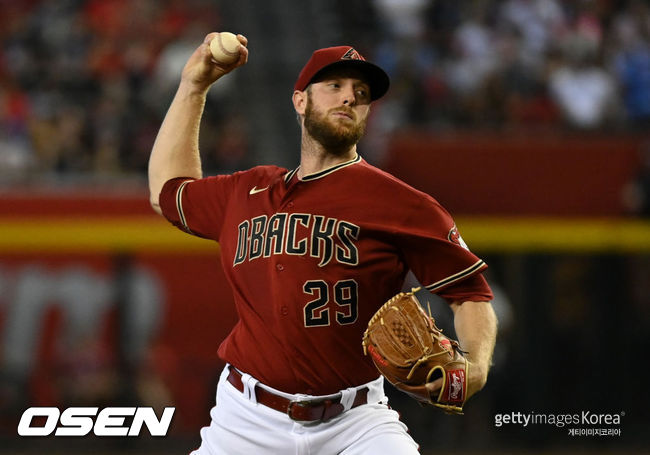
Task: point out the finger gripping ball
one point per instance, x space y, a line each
225 47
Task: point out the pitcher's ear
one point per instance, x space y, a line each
300 101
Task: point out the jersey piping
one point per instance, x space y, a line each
456 277
179 205
324 172
290 174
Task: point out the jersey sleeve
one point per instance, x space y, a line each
472 289
197 206
436 253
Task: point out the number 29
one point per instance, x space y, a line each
317 311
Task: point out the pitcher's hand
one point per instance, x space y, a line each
201 70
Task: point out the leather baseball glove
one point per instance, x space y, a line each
409 351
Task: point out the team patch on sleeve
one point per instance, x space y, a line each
454 237
179 205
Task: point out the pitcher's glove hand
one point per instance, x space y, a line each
410 352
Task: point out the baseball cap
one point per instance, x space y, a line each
331 57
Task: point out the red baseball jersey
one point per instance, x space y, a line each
310 261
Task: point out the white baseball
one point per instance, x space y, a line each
225 47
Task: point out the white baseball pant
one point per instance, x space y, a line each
241 426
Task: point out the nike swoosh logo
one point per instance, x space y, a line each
256 190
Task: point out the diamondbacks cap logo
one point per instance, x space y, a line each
352 54
340 55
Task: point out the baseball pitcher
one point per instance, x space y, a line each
312 254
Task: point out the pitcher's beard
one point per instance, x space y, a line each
335 138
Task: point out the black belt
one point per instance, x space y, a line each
317 410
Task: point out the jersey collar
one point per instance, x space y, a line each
324 172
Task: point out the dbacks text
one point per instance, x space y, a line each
298 234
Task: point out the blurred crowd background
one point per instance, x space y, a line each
85 84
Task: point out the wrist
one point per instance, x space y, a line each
479 373
192 90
